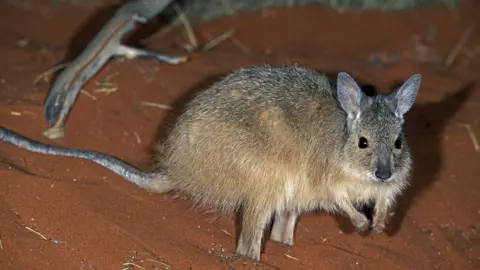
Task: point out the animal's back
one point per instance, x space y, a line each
249 137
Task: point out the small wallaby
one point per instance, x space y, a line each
276 143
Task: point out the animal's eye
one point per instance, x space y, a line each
363 142
398 143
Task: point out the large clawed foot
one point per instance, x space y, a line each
252 252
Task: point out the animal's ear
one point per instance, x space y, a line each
350 95
404 97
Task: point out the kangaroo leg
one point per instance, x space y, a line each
283 229
254 222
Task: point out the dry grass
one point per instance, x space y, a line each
460 45
36 232
156 105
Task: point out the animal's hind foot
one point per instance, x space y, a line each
283 228
253 252
281 239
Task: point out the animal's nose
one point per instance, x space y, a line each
383 174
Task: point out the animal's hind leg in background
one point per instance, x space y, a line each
283 229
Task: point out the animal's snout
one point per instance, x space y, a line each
383 173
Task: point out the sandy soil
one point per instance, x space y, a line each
89 218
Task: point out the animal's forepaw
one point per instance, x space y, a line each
378 228
361 223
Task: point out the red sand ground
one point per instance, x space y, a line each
94 219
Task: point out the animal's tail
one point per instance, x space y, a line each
132 174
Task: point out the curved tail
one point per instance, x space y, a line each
130 173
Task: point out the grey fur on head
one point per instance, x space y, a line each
375 128
404 96
350 96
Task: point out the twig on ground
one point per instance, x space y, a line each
88 94
164 31
30 113
470 132
151 72
130 264
156 105
291 257
239 44
137 137
107 87
194 45
304 227
106 90
14 113
460 44
48 72
159 262
36 232
471 52
216 41
219 39
225 231
188 29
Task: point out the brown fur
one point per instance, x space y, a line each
272 142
